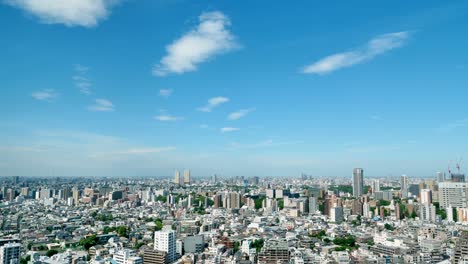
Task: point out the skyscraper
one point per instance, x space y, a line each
404 186
177 177
166 241
440 176
375 186
10 253
358 182
186 176
425 196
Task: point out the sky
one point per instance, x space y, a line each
253 88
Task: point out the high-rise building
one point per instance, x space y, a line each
404 186
312 205
375 186
336 214
177 179
440 176
186 176
425 196
231 200
166 241
461 248
152 256
453 194
274 251
358 182
457 177
10 253
427 213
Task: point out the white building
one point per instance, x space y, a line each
127 256
425 196
427 213
10 253
453 194
166 241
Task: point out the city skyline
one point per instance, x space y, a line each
140 88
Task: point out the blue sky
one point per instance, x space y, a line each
127 87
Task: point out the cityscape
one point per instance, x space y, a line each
233 132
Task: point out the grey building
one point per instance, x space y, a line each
358 182
194 244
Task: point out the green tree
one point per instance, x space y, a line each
88 242
389 227
236 246
159 224
122 231
51 252
257 244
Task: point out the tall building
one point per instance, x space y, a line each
358 182
461 248
375 186
427 213
10 253
152 256
312 205
457 177
440 176
404 186
453 194
274 251
425 196
231 200
166 241
186 176
177 179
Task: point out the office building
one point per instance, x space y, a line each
425 196
358 182
453 194
194 244
127 256
427 213
177 179
186 176
274 251
457 177
375 186
166 241
152 256
404 186
336 214
461 248
440 176
10 253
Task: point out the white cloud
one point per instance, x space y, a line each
212 103
165 93
45 95
86 13
264 144
132 151
210 38
102 105
204 126
454 125
168 118
229 129
239 114
81 81
376 46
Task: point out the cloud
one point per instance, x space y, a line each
86 13
453 125
81 81
102 105
210 38
239 114
212 103
204 126
264 144
168 118
165 93
45 95
376 46
132 151
229 129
